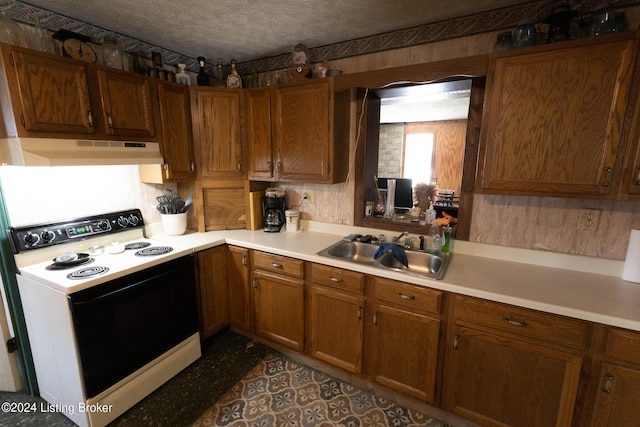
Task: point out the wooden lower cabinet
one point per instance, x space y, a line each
498 381
239 288
336 316
617 384
405 350
510 366
405 338
337 327
618 397
279 308
212 280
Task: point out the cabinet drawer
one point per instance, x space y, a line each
624 345
412 296
548 328
337 278
278 264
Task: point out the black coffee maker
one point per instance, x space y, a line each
273 206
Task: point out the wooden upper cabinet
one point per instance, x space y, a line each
48 94
303 131
260 144
126 104
553 118
216 125
177 137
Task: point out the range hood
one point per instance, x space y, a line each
68 152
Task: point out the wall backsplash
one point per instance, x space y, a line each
42 194
553 222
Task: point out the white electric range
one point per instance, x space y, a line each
111 315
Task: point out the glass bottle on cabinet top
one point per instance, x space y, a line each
181 76
233 79
220 80
111 53
202 79
10 31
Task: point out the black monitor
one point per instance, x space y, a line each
403 193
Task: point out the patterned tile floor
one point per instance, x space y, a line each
282 392
226 359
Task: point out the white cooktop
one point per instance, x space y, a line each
118 264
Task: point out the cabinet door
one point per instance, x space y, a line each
496 381
279 309
337 328
126 103
53 93
303 131
239 288
177 137
258 117
553 122
618 397
213 290
405 351
217 133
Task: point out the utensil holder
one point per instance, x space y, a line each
174 225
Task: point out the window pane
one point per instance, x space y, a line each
417 157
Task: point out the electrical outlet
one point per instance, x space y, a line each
588 219
308 196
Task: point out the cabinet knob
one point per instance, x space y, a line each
110 120
608 383
637 180
607 176
90 118
192 166
359 312
269 166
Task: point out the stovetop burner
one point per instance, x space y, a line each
137 245
85 273
69 260
154 250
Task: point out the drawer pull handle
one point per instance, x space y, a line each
637 180
609 383
403 296
335 279
359 312
514 322
276 265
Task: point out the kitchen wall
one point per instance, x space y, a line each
502 220
44 194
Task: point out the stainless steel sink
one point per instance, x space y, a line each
424 264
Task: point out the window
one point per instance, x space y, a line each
418 157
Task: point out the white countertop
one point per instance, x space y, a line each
576 286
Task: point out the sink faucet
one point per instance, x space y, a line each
400 236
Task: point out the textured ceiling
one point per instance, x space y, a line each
251 29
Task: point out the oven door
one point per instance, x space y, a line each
126 323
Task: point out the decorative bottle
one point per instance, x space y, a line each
233 79
181 76
10 31
220 80
202 79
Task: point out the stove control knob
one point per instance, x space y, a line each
123 222
133 220
47 236
31 239
103 225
